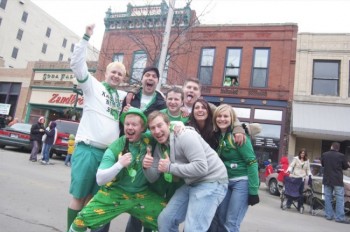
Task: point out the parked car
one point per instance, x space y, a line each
317 176
17 135
64 129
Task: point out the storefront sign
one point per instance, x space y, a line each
54 98
67 100
54 76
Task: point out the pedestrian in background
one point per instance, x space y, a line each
51 135
334 163
70 150
36 133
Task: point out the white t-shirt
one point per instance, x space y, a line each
98 126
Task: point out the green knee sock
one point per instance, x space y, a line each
71 215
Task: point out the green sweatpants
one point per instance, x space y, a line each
106 205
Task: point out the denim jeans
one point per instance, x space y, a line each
339 198
195 204
67 159
232 209
46 152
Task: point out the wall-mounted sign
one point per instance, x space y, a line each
5 108
54 76
56 98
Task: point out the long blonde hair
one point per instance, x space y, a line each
219 110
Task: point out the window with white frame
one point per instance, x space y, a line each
118 57
14 52
260 67
139 63
19 34
232 67
48 32
3 4
43 48
325 80
64 43
24 16
206 66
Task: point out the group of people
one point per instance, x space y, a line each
334 163
44 138
205 175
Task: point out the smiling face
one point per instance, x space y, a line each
133 127
115 74
223 120
149 82
174 102
191 92
159 128
200 113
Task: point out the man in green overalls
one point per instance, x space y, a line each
124 188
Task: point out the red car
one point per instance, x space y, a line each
64 129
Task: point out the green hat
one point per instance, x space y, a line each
133 110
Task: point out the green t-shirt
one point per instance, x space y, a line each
178 118
123 180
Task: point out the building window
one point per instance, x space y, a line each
325 80
264 114
24 16
3 4
43 48
19 34
260 67
60 58
118 57
139 63
206 66
48 32
72 48
14 52
64 43
232 67
9 93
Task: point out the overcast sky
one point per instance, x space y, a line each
323 16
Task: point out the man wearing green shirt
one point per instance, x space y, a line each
174 101
124 188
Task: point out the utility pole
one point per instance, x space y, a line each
163 53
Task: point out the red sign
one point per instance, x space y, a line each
58 99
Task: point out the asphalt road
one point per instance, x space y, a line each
34 198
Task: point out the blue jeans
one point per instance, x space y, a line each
339 198
67 159
46 152
195 204
232 209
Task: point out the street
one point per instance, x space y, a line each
34 198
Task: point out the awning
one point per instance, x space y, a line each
321 121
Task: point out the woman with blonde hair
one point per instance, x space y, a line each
242 169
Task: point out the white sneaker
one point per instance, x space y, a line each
44 162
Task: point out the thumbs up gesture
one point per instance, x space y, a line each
163 165
125 159
148 160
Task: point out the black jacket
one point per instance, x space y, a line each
158 104
35 134
334 163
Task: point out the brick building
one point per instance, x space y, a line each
250 67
